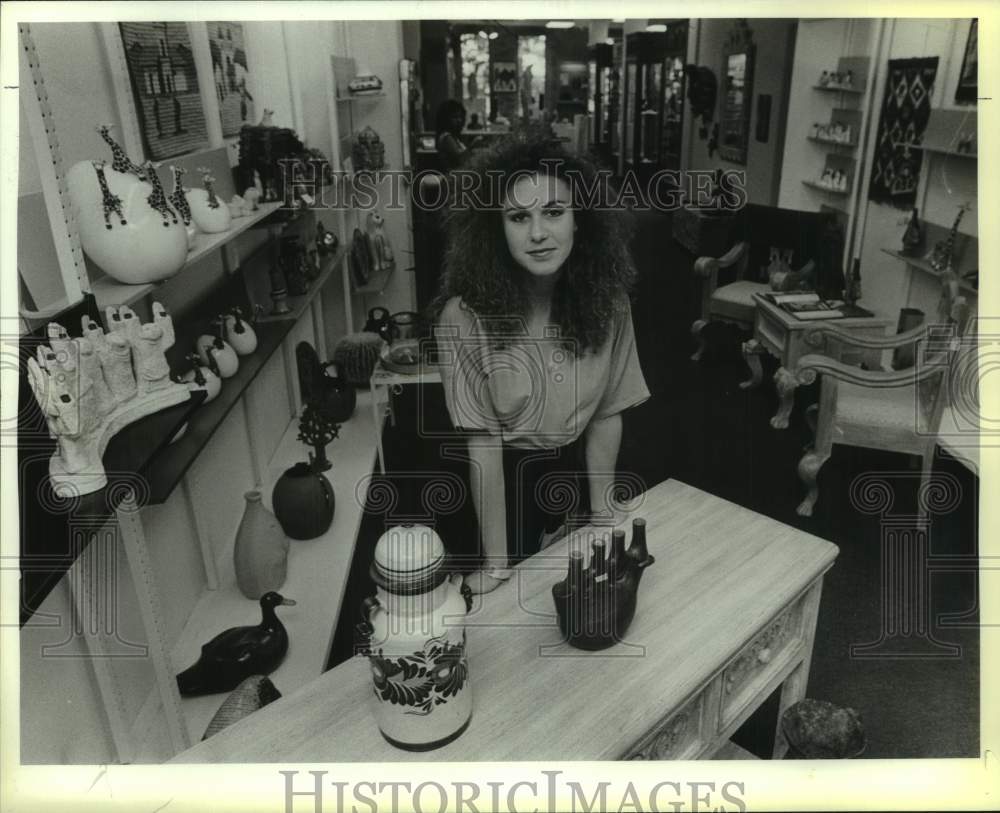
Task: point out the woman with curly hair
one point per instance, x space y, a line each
538 351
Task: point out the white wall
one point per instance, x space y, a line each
771 62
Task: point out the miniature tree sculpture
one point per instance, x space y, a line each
317 430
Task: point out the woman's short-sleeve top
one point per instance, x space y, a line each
532 391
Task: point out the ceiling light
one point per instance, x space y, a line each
494 35
560 24
482 34
656 27
609 41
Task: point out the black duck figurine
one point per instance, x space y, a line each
239 652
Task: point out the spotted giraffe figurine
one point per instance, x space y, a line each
208 181
157 198
110 201
177 197
120 161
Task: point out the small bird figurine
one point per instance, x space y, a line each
239 652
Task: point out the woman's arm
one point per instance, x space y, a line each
603 437
489 499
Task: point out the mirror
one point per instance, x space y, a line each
737 68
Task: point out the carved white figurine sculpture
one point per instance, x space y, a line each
124 218
88 390
202 378
238 207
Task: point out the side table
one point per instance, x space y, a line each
786 338
384 384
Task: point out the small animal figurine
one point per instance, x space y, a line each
203 378
239 652
238 207
240 334
218 350
267 120
252 694
379 246
326 240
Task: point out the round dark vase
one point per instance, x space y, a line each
303 502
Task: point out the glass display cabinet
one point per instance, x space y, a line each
602 104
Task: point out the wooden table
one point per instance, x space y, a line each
786 338
726 614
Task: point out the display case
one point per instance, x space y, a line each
654 99
603 102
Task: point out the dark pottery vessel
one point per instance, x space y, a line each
596 605
303 502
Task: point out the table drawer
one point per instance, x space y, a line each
771 333
682 735
760 661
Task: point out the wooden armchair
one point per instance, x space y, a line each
730 281
897 410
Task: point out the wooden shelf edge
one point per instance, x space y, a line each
941 151
830 89
170 466
832 143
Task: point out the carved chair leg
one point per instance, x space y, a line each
752 351
696 331
785 384
809 467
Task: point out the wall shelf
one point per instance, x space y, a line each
923 265
298 303
832 143
360 97
836 89
819 186
940 151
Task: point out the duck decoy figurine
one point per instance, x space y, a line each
239 652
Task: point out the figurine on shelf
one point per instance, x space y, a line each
203 378
294 265
368 152
267 120
380 251
157 199
210 215
252 196
326 240
913 237
238 207
824 79
364 83
317 430
942 256
87 389
237 653
848 78
239 332
217 349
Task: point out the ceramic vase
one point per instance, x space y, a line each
209 219
303 502
119 228
218 349
260 554
414 635
203 379
913 237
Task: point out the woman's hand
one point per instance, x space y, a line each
486 581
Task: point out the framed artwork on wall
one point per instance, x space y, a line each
165 87
230 75
968 80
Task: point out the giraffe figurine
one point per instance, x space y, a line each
942 256
157 199
121 162
208 181
177 197
110 201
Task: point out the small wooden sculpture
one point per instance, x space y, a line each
92 387
317 430
177 197
158 197
120 160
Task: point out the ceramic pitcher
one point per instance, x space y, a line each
415 641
